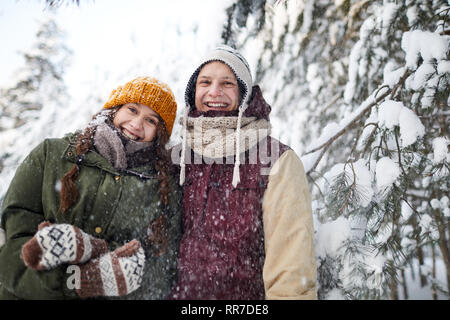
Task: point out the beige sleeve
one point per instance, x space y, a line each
290 267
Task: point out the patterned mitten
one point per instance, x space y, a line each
55 244
116 273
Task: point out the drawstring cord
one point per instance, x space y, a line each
183 147
237 158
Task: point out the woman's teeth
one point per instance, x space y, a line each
130 136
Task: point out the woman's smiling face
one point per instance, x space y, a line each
216 88
137 122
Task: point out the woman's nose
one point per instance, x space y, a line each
137 122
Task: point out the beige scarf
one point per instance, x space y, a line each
219 137
216 137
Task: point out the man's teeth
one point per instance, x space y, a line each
216 105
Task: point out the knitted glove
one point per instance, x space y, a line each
56 244
116 273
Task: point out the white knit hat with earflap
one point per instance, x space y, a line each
241 69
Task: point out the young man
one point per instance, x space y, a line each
248 227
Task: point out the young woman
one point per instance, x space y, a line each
248 227
97 213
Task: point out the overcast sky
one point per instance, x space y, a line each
109 38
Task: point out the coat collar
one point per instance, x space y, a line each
94 159
257 106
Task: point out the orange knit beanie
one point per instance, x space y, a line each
148 91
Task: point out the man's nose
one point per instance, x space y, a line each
215 90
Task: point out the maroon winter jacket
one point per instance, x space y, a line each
222 250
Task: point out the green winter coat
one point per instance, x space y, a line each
111 205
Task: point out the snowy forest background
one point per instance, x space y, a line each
359 89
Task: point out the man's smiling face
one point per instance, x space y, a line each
216 88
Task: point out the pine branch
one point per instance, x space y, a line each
364 109
334 99
399 153
352 187
55 3
341 132
348 125
370 136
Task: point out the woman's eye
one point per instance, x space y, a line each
133 110
229 84
152 121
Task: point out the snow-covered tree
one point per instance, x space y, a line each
29 106
359 89
363 88
56 3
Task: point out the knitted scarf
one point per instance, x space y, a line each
120 151
216 137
